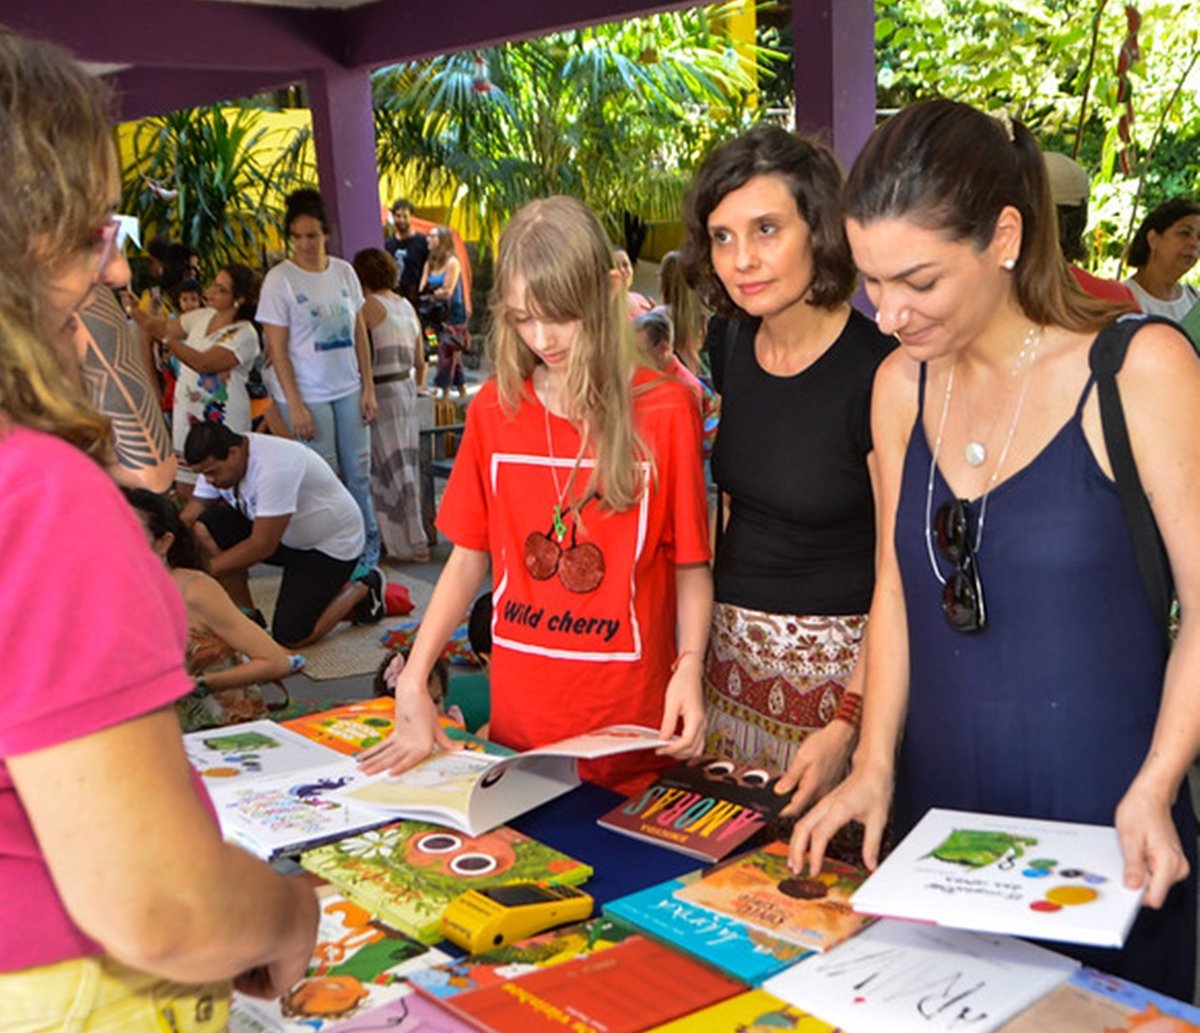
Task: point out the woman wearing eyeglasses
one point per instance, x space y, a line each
1015 665
123 908
216 346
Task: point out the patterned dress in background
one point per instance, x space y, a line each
395 475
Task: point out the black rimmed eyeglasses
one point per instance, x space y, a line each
962 592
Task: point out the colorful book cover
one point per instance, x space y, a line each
257 749
357 726
409 1014
744 952
514 959
408 872
908 976
705 807
358 966
473 792
1095 1002
1051 880
287 813
630 987
759 889
755 1011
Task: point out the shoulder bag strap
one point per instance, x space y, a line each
1106 358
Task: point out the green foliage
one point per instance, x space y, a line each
1053 64
194 176
614 114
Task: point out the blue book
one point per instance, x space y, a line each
722 941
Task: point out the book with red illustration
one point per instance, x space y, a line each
629 987
706 807
760 890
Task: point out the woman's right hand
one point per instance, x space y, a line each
864 796
417 734
278 976
302 422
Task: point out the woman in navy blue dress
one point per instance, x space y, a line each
1056 699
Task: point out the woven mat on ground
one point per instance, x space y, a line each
349 650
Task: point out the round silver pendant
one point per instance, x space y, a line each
975 453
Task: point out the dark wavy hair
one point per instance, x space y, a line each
951 168
305 201
245 286
209 440
376 269
1158 219
814 179
161 517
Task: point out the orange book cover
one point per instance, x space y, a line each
353 726
630 987
759 889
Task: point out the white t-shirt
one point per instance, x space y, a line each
286 478
318 311
1152 306
205 397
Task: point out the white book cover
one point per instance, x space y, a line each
1049 880
243 753
899 977
475 792
296 811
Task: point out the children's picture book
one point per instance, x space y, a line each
244 753
513 959
908 976
358 966
705 807
284 814
357 726
629 987
408 872
411 1013
743 951
755 1011
1095 1002
1051 880
474 792
759 889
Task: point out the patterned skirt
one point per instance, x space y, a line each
771 679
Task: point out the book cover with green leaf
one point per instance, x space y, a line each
407 873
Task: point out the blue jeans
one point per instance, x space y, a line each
344 442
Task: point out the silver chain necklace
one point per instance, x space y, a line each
1033 341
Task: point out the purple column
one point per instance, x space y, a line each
834 55
344 137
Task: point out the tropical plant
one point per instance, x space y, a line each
613 114
196 176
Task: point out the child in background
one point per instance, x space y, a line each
438 683
190 297
579 478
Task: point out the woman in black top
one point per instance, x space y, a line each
793 363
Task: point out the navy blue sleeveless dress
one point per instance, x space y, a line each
1048 712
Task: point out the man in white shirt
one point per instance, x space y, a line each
263 499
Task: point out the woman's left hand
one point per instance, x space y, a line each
1154 857
819 764
370 408
684 704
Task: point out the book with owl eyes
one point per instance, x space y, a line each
473 792
407 873
705 807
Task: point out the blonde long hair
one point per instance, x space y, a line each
558 246
58 168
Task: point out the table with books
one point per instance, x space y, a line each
676 943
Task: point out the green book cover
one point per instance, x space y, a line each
407 873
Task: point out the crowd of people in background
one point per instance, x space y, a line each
754 512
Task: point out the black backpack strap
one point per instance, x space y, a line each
1106 358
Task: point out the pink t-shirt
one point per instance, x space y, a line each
92 632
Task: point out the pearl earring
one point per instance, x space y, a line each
1009 264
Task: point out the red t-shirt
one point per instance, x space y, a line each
583 630
92 632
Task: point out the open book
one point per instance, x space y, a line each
1052 880
475 792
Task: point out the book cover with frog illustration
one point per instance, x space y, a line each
1052 880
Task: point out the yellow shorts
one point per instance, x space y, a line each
100 995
